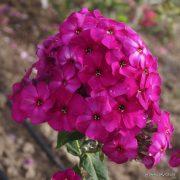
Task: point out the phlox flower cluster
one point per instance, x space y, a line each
98 77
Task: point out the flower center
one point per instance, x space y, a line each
71 60
88 50
167 131
98 72
122 63
96 117
64 82
39 102
140 50
146 71
78 30
109 31
121 108
119 148
64 110
162 149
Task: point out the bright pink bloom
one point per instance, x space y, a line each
95 121
65 111
129 112
158 147
35 102
66 77
165 126
87 48
121 148
148 161
120 63
69 55
68 174
137 52
75 24
97 74
106 32
149 89
175 159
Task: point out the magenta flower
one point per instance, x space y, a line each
87 48
106 32
120 63
18 114
129 112
68 174
75 24
66 77
94 122
148 161
175 158
121 148
137 52
70 55
65 111
35 102
165 126
149 89
97 74
158 147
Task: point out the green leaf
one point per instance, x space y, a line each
65 137
74 148
94 166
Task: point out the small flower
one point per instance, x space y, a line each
137 52
95 121
70 55
68 174
165 126
120 63
97 74
175 158
148 161
129 112
35 102
66 77
106 32
75 24
158 146
121 148
65 111
149 89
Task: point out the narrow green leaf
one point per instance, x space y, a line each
73 148
94 166
65 137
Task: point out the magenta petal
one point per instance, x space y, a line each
96 131
148 161
38 116
83 122
97 34
111 121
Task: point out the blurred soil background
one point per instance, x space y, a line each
24 24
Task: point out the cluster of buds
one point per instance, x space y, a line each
98 77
